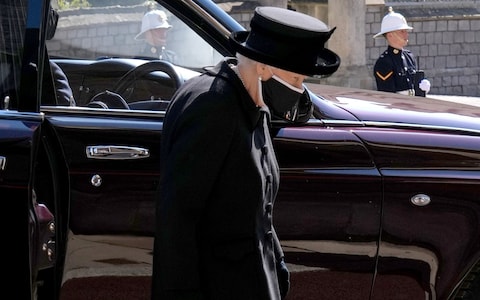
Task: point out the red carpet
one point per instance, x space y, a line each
304 286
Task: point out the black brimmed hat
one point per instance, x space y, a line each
288 40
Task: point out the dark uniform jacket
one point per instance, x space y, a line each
395 70
150 51
215 238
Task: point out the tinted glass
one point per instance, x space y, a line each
95 32
12 32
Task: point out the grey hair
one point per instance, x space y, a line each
243 60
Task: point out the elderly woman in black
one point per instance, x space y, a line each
215 237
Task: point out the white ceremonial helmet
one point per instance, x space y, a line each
152 20
391 22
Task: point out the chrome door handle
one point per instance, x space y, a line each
116 152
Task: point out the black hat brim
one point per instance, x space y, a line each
327 60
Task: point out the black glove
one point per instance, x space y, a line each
283 276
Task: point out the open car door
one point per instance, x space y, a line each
31 219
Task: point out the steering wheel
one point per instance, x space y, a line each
107 99
155 65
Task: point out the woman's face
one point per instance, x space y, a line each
294 79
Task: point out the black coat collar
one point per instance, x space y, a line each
252 111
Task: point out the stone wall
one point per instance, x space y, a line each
87 41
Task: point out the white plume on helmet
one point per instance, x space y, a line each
391 22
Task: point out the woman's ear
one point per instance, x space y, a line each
263 71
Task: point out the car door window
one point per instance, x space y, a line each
12 31
97 46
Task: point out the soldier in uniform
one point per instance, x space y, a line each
396 68
154 31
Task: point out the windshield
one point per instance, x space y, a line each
138 29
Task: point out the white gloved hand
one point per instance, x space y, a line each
425 85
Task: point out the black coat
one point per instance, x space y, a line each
215 238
